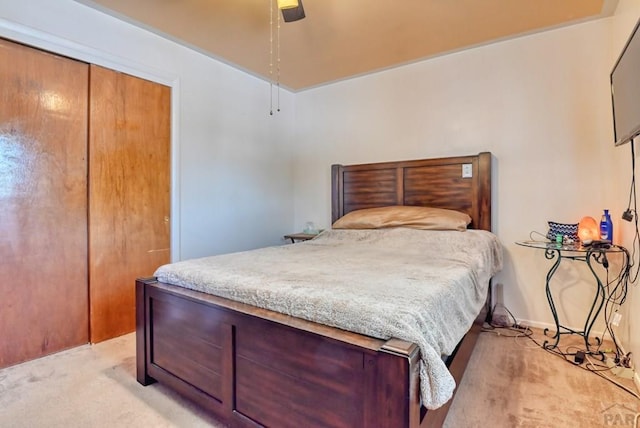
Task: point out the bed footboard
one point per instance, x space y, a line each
254 367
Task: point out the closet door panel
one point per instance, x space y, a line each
129 187
43 203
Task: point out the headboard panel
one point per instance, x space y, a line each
427 182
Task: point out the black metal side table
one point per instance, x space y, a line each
576 252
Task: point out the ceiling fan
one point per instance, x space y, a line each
292 10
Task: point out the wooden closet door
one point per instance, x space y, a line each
129 187
43 203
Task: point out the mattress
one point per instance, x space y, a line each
423 286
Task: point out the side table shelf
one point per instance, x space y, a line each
588 255
300 236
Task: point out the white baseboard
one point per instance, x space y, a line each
536 324
552 327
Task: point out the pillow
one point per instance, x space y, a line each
404 216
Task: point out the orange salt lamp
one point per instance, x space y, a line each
588 230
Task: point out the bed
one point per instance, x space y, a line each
252 366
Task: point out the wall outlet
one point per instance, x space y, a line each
616 319
467 170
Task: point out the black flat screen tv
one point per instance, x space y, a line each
625 91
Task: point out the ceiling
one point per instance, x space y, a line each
340 39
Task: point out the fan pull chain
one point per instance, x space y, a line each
277 53
278 63
271 57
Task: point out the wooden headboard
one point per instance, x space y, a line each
426 182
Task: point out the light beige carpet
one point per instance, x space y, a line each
506 385
90 387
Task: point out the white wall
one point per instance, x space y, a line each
540 104
232 162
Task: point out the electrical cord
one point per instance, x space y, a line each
633 213
493 311
616 294
533 232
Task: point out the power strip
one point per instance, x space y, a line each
623 372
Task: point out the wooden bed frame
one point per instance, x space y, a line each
254 367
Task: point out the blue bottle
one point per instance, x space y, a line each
606 227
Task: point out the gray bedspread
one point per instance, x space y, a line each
422 286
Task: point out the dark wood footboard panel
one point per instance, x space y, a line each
253 367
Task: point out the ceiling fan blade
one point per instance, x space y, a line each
293 14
